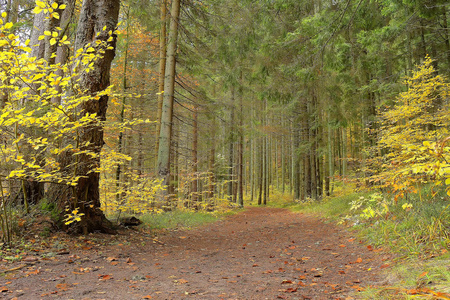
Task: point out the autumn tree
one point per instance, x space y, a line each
418 117
96 24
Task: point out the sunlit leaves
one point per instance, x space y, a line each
73 216
48 8
414 132
36 131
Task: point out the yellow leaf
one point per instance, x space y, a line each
54 34
37 10
4 16
447 181
40 4
8 25
52 41
55 5
47 33
62 6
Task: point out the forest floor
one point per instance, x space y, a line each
259 253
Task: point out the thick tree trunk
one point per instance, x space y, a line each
94 16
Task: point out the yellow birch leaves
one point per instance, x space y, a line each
413 133
48 7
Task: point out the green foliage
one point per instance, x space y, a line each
51 208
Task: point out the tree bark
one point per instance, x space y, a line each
94 15
165 136
194 186
162 71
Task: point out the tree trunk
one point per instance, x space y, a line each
194 186
165 136
94 16
162 71
241 151
231 152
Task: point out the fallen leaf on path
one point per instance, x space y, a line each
183 281
147 297
35 272
286 281
3 289
351 240
62 286
370 248
111 259
30 258
359 260
104 277
342 246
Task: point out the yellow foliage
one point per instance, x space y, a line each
34 128
411 131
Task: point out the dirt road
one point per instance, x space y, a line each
261 253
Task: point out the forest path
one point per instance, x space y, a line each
260 253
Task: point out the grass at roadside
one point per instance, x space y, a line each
177 219
415 228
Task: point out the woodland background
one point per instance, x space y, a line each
222 103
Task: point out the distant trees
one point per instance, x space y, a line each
249 98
